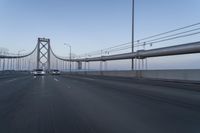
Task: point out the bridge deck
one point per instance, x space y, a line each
61 104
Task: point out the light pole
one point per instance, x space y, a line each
70 56
133 20
4 61
18 66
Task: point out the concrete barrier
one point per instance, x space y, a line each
183 75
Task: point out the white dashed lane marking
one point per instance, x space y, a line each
56 79
88 79
11 80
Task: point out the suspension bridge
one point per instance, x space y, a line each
82 99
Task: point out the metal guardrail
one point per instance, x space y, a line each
187 48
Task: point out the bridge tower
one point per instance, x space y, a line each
43 53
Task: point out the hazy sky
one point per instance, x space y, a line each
88 25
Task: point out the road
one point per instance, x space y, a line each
77 104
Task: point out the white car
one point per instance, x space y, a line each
39 72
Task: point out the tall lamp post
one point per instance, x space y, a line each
70 56
18 59
133 28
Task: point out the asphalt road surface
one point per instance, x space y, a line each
72 104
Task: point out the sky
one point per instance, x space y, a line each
88 25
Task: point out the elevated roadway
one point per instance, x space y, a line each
79 104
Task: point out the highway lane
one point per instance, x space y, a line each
62 104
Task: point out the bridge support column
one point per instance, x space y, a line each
79 65
43 54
